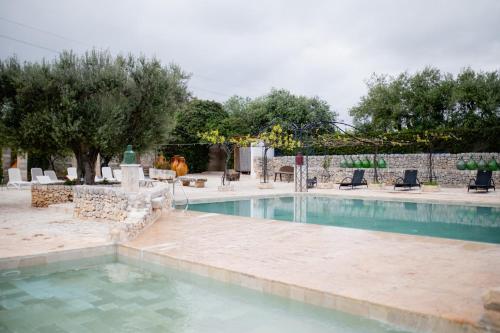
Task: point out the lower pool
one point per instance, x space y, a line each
472 223
132 297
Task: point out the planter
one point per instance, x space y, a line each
199 183
328 185
163 174
225 188
431 188
379 186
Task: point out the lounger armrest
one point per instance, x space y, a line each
472 181
363 181
346 178
418 181
399 178
492 182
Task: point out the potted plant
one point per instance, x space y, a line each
162 168
325 173
431 186
376 185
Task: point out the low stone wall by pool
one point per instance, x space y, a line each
444 167
133 211
45 195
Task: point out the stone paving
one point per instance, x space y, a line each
25 230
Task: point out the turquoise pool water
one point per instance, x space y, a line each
472 223
125 297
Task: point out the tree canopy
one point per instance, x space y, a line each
430 99
91 104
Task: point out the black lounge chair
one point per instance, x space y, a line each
356 180
312 182
483 181
409 180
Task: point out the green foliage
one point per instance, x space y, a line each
277 138
430 99
279 106
457 140
91 104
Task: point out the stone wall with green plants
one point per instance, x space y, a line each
448 168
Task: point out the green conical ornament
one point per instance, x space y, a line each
129 156
358 163
343 162
481 164
471 164
381 163
493 165
461 164
365 163
350 162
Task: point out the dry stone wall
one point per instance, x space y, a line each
132 211
444 167
45 195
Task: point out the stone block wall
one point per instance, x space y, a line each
100 202
132 211
45 195
444 166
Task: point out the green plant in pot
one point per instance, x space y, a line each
162 167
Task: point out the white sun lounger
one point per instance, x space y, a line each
53 177
72 174
107 174
118 174
147 182
45 180
35 172
15 179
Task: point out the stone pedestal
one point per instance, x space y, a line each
130 177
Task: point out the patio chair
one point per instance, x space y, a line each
35 172
483 181
45 180
232 175
409 180
72 174
357 179
146 181
53 177
312 182
118 175
15 179
107 174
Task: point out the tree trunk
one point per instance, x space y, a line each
86 160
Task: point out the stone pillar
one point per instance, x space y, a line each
130 177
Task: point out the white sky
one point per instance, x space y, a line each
315 48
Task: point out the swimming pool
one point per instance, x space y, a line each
129 296
437 220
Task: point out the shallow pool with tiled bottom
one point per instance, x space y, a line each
141 297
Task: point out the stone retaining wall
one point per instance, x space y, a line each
45 195
444 167
133 211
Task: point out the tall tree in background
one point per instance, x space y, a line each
93 104
430 99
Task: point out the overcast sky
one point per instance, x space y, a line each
314 48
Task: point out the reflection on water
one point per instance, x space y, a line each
447 221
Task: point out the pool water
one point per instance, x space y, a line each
124 297
438 220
